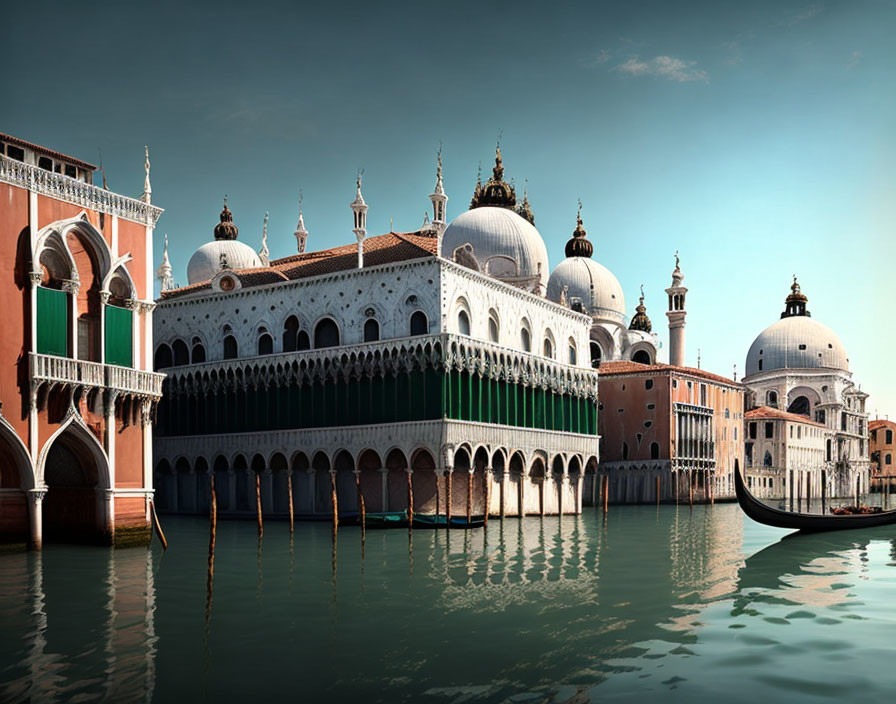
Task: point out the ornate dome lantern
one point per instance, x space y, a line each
225 252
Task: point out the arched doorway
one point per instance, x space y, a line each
15 479
76 475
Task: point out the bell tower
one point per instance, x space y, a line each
676 315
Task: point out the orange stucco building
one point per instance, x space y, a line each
883 449
680 425
76 388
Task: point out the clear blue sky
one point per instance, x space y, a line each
759 139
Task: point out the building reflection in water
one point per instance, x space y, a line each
89 625
523 606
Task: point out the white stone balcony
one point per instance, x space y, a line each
71 190
50 369
53 370
134 381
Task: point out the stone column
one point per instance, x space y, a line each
310 473
231 489
579 485
524 480
487 491
505 477
267 490
36 517
440 504
449 470
564 485
384 488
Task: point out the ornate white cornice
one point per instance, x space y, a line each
71 190
443 352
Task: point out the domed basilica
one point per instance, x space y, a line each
799 366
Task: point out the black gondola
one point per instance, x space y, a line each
808 522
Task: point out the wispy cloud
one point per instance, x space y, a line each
668 67
807 13
602 57
854 59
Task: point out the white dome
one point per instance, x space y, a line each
499 235
596 285
206 261
796 342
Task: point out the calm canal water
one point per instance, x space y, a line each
653 604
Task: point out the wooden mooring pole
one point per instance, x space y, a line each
258 504
690 489
606 491
410 474
657 490
157 526
289 491
362 506
334 501
212 534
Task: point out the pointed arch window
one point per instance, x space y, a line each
181 353
463 323
290 334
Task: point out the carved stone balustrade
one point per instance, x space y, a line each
71 190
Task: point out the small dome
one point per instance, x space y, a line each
596 285
796 342
506 245
211 257
226 230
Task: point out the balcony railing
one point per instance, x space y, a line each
134 381
73 191
50 369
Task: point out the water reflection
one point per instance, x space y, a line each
61 639
642 601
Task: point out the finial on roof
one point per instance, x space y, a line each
677 276
640 321
147 188
226 230
264 254
439 189
301 233
795 303
164 272
524 210
579 245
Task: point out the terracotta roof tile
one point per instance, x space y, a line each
769 412
626 367
380 249
880 423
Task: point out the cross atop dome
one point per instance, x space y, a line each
795 303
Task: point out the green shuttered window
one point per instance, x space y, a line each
119 336
52 321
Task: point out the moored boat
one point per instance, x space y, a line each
808 522
428 520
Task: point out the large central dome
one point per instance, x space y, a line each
796 341
506 245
